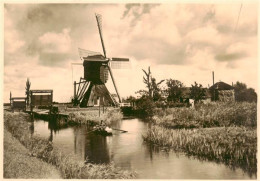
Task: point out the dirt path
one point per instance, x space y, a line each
18 162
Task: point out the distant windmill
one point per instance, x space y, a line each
91 89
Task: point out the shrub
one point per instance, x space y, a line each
215 114
145 106
234 146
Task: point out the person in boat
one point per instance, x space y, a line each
105 127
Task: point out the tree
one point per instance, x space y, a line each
147 79
130 99
197 92
145 106
242 93
27 90
173 90
154 90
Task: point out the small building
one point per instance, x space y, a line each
222 91
41 98
17 103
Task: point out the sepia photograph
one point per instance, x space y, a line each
161 90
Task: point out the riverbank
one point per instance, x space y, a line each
17 124
223 132
19 163
92 117
214 114
233 146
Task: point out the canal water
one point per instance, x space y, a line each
129 152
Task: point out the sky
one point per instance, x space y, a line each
183 41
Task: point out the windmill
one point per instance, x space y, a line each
91 90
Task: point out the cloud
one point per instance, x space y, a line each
12 41
48 28
56 42
181 41
128 7
137 10
230 56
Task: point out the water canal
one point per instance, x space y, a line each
128 151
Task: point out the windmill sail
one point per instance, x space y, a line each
99 23
120 63
97 68
85 53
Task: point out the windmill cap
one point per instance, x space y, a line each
95 58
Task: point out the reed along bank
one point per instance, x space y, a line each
18 124
19 163
223 132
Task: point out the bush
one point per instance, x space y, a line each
176 104
113 115
215 114
92 116
145 106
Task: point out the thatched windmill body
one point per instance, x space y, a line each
91 90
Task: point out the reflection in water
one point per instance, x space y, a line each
128 151
96 149
92 147
51 136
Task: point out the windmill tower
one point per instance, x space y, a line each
91 90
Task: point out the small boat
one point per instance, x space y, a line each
105 131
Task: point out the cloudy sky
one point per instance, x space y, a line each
179 41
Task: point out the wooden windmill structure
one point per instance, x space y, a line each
91 90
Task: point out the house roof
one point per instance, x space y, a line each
221 86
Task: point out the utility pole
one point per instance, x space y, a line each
213 77
74 91
10 98
213 87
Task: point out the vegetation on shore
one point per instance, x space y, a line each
17 124
219 131
235 146
214 114
18 162
108 117
173 93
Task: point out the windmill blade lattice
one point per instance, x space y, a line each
86 53
120 63
99 23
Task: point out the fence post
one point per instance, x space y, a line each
99 109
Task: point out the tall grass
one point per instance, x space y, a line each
214 114
231 145
19 164
17 124
84 117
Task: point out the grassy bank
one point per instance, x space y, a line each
17 124
92 116
235 146
215 114
19 163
